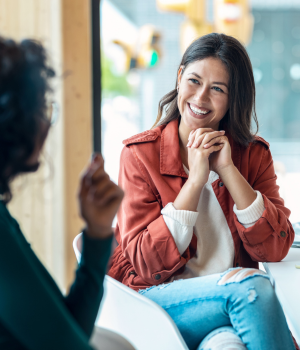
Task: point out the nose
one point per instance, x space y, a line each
202 94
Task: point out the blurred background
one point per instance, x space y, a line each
142 43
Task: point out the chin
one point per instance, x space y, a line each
198 124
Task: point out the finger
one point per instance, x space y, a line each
197 141
96 162
191 133
100 188
215 140
191 138
96 175
111 192
212 135
206 137
97 158
215 148
197 133
113 199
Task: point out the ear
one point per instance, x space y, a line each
179 74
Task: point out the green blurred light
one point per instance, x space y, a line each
154 59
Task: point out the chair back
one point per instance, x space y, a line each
77 245
141 321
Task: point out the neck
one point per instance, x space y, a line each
183 134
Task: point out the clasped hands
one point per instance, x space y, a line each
208 150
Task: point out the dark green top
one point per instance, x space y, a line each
34 314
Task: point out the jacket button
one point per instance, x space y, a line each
282 234
132 273
157 277
221 184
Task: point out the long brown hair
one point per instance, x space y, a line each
237 121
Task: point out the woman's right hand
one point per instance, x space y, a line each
198 156
99 199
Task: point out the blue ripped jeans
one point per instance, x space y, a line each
248 303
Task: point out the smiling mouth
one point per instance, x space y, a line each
198 112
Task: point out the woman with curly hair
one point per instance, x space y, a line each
34 314
202 207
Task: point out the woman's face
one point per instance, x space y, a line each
203 98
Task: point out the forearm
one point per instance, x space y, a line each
240 190
87 290
188 197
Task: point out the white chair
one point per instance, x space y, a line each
138 319
104 339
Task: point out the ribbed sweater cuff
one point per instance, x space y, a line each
253 213
183 217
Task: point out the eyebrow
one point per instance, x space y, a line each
215 82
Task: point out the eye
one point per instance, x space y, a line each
217 89
194 81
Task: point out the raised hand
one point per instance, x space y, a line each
99 199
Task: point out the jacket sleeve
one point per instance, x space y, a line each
272 235
145 238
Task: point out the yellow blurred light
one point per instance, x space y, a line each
194 9
190 31
233 17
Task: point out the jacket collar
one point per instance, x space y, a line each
170 158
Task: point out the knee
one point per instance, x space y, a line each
239 275
222 338
254 281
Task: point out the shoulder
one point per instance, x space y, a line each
259 142
144 137
259 150
259 158
142 150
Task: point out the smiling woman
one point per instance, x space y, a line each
202 99
202 205
235 79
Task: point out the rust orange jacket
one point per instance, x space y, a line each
152 174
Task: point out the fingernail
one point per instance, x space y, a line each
95 157
188 144
206 145
222 130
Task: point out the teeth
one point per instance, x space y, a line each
198 111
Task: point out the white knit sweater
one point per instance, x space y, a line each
215 249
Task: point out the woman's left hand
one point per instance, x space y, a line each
221 160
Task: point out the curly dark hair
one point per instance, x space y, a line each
24 83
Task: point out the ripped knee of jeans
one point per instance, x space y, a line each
222 338
240 274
